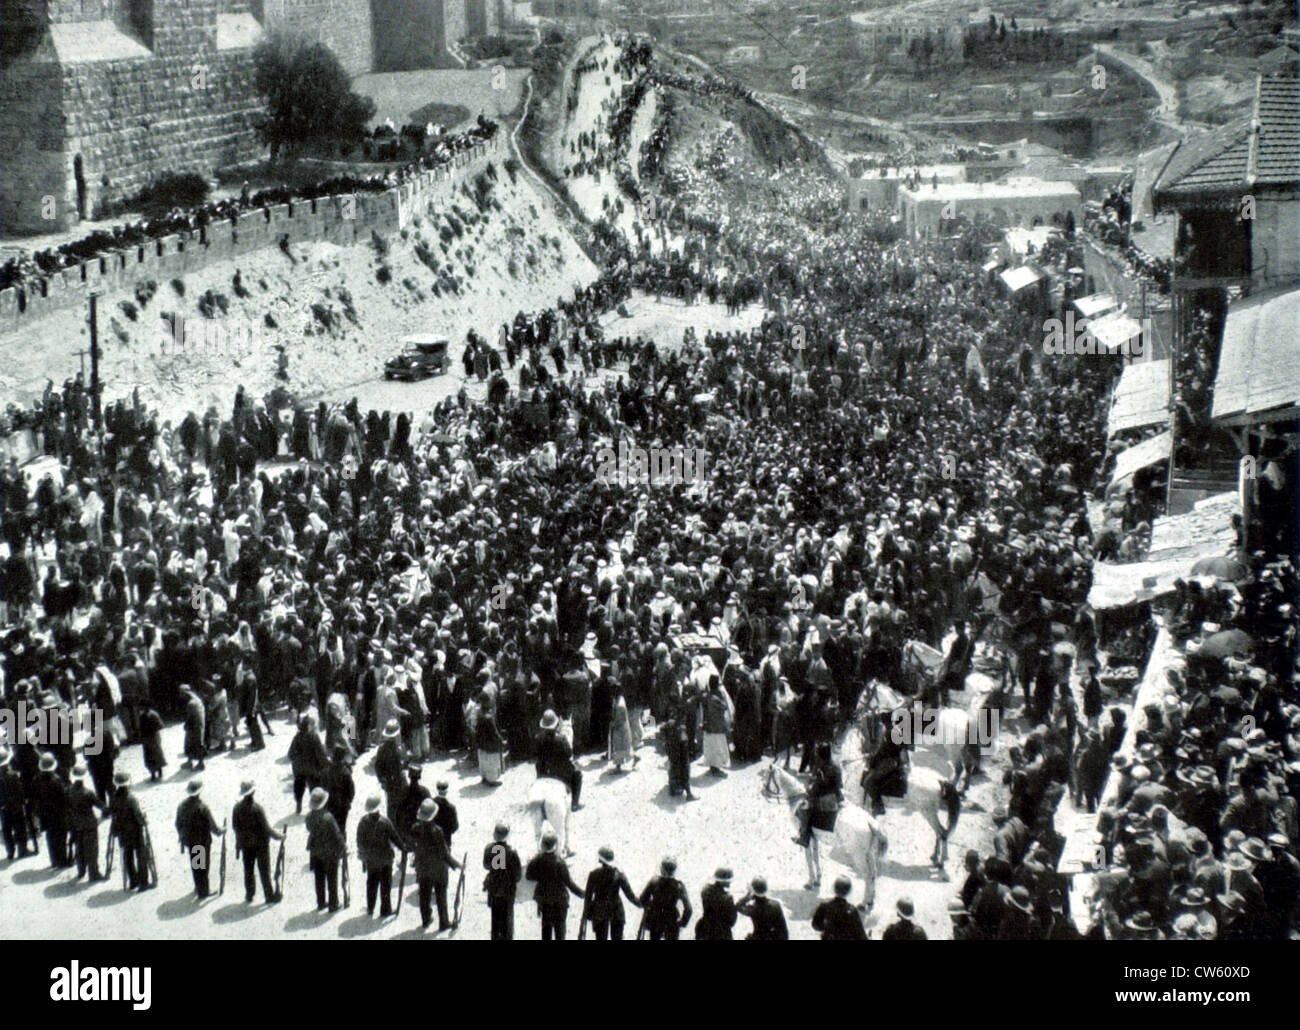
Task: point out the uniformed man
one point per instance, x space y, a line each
504 871
253 836
903 929
836 919
554 885
195 827
327 847
83 821
661 898
127 826
555 757
408 810
432 864
376 838
767 915
50 794
601 903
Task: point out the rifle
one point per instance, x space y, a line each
347 893
108 858
279 861
150 867
401 886
221 884
582 923
460 893
640 927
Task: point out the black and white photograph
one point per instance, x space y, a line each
651 470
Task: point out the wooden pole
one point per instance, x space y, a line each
95 412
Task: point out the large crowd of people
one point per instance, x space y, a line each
878 448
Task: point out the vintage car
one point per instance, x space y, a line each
421 357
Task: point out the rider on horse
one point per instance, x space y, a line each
884 766
825 795
555 757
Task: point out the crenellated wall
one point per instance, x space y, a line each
325 219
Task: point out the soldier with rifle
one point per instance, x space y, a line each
376 838
51 794
327 848
432 863
128 828
253 836
194 828
83 822
601 901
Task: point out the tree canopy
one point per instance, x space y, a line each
308 96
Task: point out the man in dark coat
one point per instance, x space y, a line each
195 828
661 898
553 885
766 915
432 862
83 822
502 880
253 836
342 789
195 724
413 798
446 820
602 904
389 764
836 919
307 759
327 847
13 808
376 838
128 827
718 907
555 757
50 794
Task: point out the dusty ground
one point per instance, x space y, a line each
731 823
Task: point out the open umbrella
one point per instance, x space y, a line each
1227 642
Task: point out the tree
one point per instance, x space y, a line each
308 96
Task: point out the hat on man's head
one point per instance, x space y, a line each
372 803
48 762
392 729
319 795
549 841
906 908
1020 899
501 832
246 788
606 855
758 885
722 875
428 809
668 866
549 720
843 885
121 778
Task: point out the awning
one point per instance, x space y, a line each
1016 279
992 265
1177 543
1141 397
1115 331
1259 362
1139 456
1095 304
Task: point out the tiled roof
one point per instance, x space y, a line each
1260 150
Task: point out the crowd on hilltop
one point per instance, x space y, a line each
26 270
871 458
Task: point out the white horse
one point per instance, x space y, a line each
858 839
931 787
549 805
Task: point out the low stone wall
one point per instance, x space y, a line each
342 219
